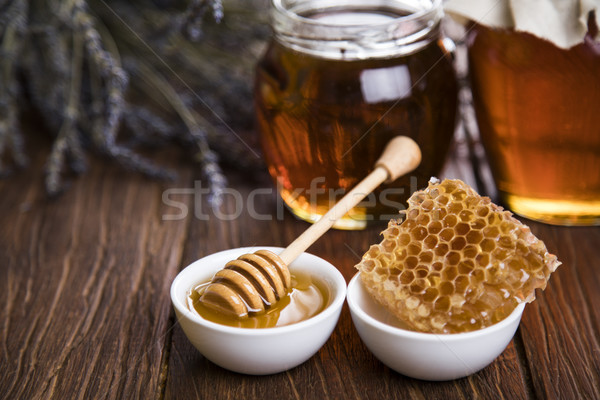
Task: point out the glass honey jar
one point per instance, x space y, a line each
537 108
339 79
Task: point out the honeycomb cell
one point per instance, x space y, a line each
419 233
462 228
407 277
431 241
441 249
418 286
446 288
482 211
461 284
450 220
449 273
458 243
439 214
426 257
465 267
474 236
368 265
434 227
457 262
478 224
413 214
459 195
388 245
482 259
447 234
505 241
423 220
414 248
393 231
404 239
450 186
487 245
411 262
421 271
491 232
500 254
442 200
442 304
466 215
430 294
455 207
427 205
453 258
470 251
401 255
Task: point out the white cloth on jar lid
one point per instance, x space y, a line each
562 22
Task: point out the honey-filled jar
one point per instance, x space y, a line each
339 79
537 108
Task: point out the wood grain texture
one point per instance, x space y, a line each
85 310
561 329
85 282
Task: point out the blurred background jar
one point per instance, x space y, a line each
537 103
339 79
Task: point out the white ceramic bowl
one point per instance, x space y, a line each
258 351
434 357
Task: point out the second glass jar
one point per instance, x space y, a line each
339 79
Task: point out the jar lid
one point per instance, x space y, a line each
564 23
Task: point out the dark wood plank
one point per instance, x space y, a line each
85 310
85 283
561 329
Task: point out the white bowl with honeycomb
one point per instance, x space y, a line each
427 356
455 272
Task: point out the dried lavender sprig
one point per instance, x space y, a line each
211 169
107 144
60 148
234 152
56 161
76 155
55 48
12 39
115 81
207 158
129 159
114 77
147 127
10 10
192 25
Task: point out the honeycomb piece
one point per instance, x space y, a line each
456 263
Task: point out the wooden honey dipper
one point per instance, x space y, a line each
253 282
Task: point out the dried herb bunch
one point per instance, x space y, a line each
111 75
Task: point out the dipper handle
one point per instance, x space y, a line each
401 155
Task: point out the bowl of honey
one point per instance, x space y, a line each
285 336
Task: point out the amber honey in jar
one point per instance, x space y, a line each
339 79
538 111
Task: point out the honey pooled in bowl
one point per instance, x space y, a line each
456 263
307 298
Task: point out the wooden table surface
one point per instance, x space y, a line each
85 310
